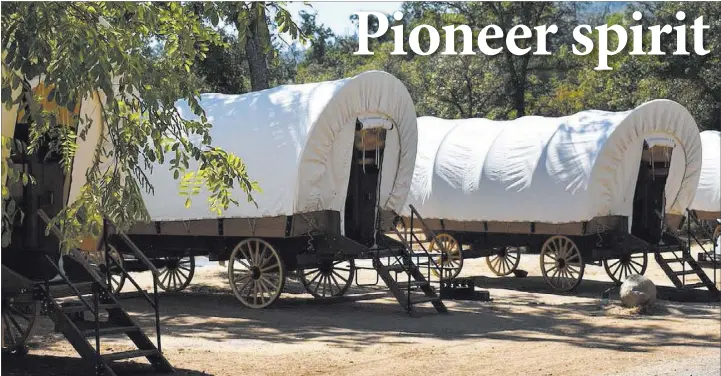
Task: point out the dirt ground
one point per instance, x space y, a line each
525 330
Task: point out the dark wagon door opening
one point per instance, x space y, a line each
649 201
361 205
29 244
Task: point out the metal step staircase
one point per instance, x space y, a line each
680 265
86 310
404 277
709 256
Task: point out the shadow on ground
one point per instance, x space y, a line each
13 365
192 317
589 289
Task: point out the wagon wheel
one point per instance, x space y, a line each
18 319
117 277
505 261
329 279
176 273
625 266
451 259
561 263
256 273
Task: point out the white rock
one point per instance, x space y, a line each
637 291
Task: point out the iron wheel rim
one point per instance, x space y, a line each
176 277
18 322
561 263
621 268
117 277
450 259
256 267
505 262
335 279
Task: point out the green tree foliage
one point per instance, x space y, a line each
253 56
139 56
253 22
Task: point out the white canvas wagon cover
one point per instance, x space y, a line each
296 141
708 193
552 170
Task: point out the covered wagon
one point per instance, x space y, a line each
334 162
707 201
705 208
590 188
75 291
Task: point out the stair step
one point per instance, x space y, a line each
129 354
132 294
685 272
80 307
694 285
63 290
110 330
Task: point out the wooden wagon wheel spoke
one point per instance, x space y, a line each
340 276
625 266
164 275
573 268
172 281
325 283
335 282
245 286
635 267
508 267
561 263
308 272
316 279
180 273
450 260
18 318
265 258
256 273
261 288
320 284
176 273
17 312
326 278
117 277
505 261
10 334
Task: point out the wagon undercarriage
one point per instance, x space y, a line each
563 258
258 266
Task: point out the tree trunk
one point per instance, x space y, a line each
519 97
255 50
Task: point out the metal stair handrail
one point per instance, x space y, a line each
154 302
